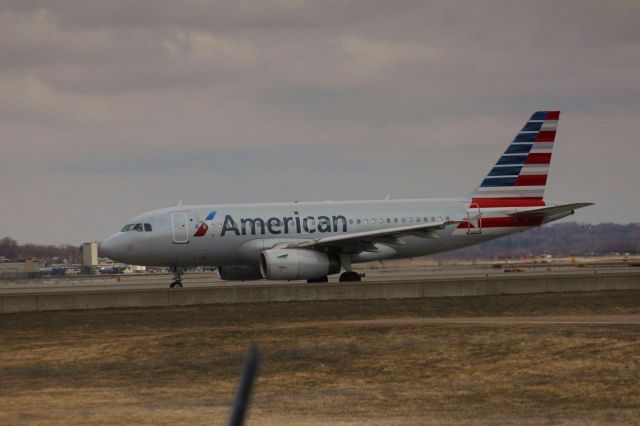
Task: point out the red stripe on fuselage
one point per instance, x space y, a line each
202 230
509 202
531 180
506 222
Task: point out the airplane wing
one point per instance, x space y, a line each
365 239
551 211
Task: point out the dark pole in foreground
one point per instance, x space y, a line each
241 403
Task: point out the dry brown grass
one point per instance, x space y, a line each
180 365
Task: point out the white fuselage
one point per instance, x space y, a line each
238 233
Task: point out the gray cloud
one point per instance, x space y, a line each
112 108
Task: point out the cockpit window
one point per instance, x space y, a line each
136 227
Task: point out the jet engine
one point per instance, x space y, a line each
239 272
297 264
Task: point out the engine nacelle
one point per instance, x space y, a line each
239 272
297 264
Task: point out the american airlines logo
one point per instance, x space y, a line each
203 227
276 225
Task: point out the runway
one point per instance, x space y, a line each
97 292
204 280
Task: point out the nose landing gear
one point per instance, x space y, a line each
177 277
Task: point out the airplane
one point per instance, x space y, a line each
313 240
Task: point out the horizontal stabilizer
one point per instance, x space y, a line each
552 211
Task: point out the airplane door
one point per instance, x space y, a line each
180 227
474 219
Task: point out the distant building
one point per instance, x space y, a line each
89 257
22 269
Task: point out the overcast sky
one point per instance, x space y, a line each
112 108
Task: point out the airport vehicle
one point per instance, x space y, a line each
312 240
112 269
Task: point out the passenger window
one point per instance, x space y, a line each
147 227
137 227
403 220
440 218
426 219
350 221
388 220
417 219
220 225
381 221
410 220
366 221
433 219
395 219
358 221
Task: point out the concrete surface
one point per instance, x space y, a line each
209 279
18 298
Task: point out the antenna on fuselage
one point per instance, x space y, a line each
179 203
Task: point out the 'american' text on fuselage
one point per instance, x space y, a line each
285 225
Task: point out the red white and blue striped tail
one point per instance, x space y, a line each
519 177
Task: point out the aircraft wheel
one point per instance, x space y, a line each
350 277
175 284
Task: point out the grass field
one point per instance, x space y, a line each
345 362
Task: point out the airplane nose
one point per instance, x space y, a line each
106 248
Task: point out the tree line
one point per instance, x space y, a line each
561 239
12 250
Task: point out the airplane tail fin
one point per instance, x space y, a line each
519 177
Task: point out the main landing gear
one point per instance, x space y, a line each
349 275
177 277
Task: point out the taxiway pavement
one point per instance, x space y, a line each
203 280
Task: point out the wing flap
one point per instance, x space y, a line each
388 235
